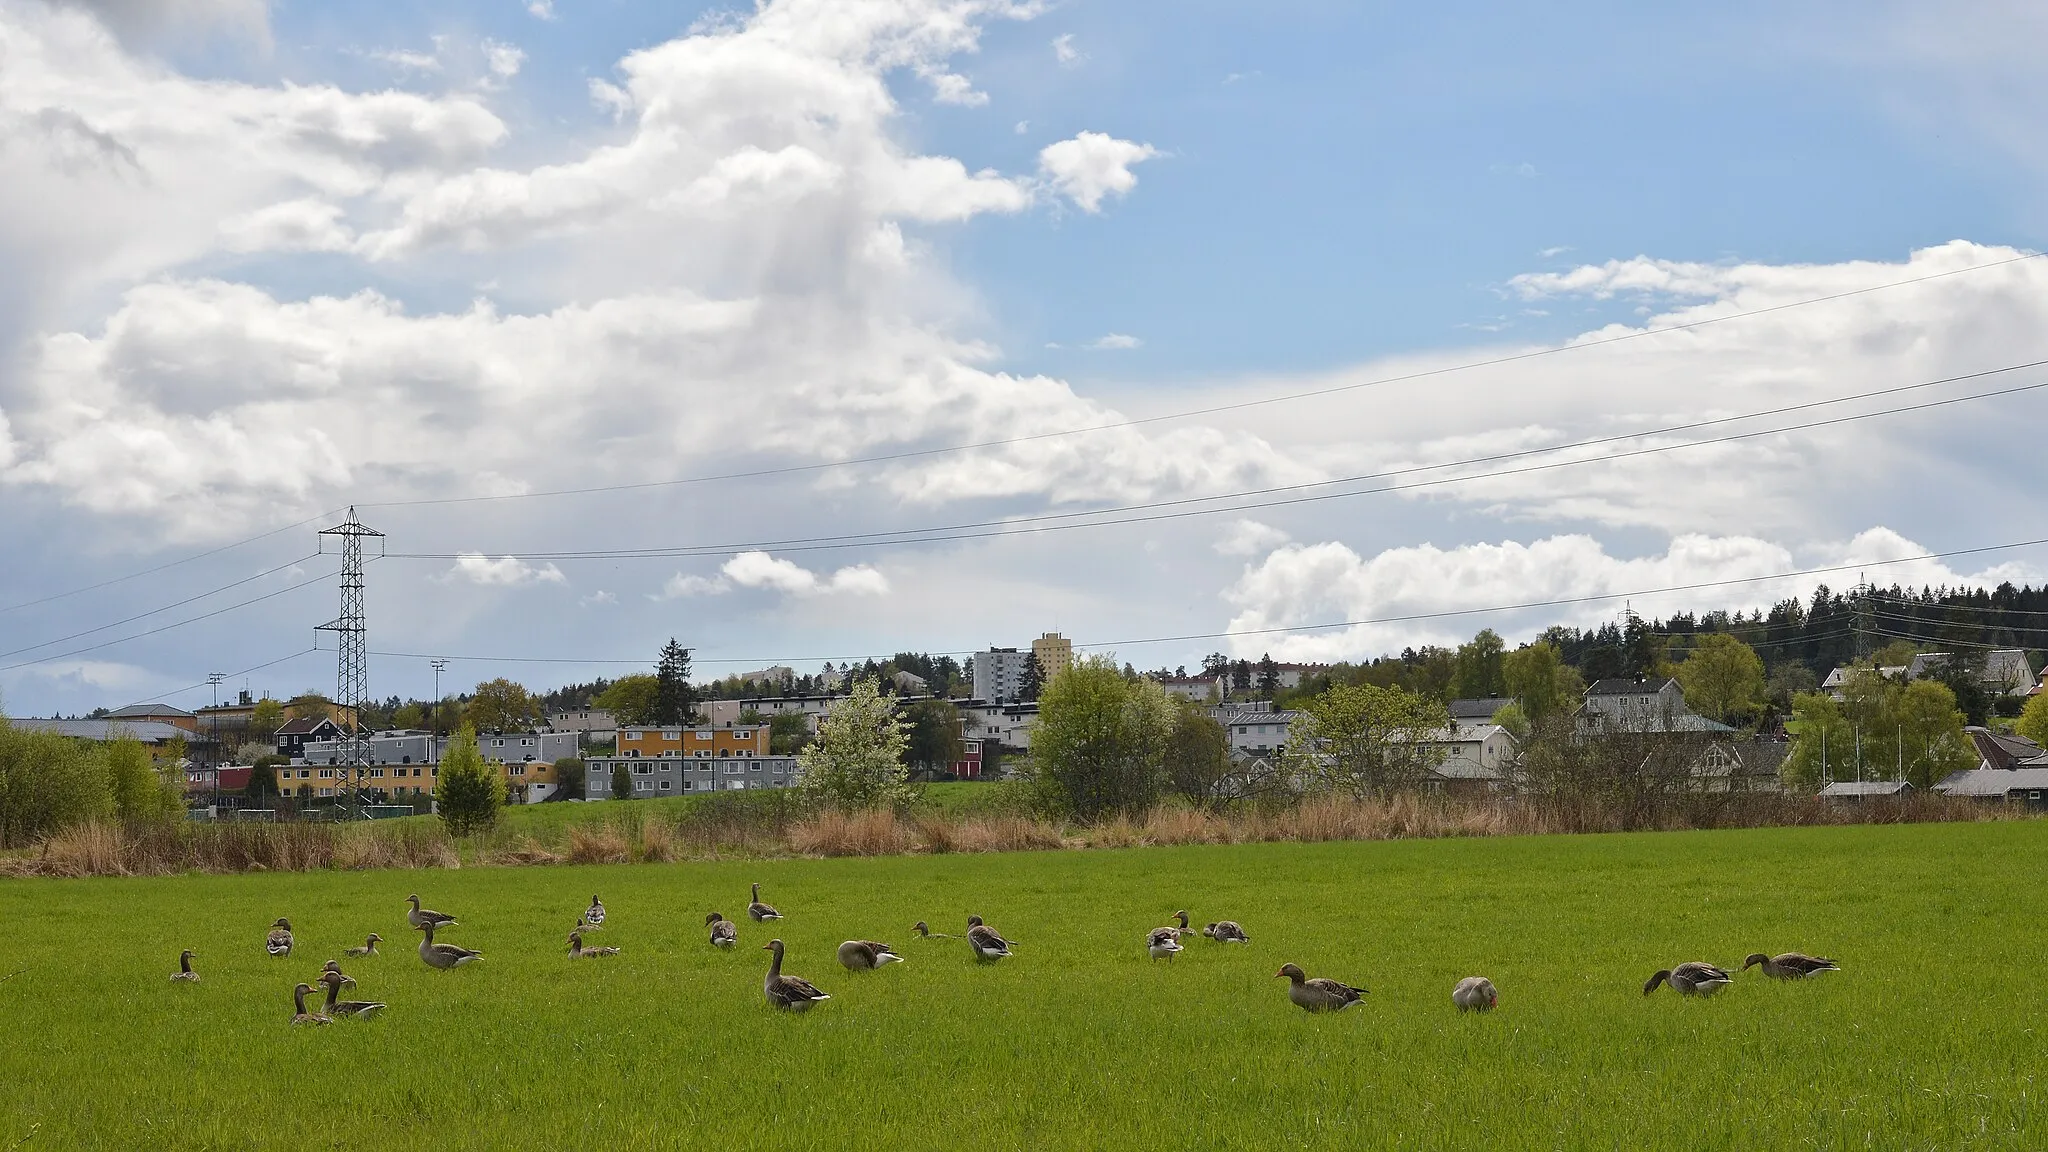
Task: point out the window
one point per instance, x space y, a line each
642 769
664 785
732 769
701 735
753 767
643 786
517 770
405 759
376 773
526 743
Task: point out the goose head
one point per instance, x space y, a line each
186 956
1755 958
575 941
774 946
714 918
1661 975
1293 973
921 928
281 922
374 939
974 921
1182 916
414 900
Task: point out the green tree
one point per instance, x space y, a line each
48 783
263 776
674 702
1540 681
1363 739
934 736
411 714
1723 678
630 699
266 719
500 706
788 732
569 773
1197 756
469 791
622 782
1100 743
1478 671
1825 746
857 760
141 792
1896 654
1032 686
2033 721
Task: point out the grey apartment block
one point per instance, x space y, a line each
680 776
424 748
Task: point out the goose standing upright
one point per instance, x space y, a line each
185 972
790 992
1319 994
866 955
346 1009
1692 978
988 944
301 1016
1475 994
443 956
421 917
578 951
1226 932
758 911
279 942
593 916
369 947
1790 965
724 933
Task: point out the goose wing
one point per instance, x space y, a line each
361 1009
724 930
790 989
1160 937
279 942
1696 972
1806 965
1231 930
455 953
760 911
1336 989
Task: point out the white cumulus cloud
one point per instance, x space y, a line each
503 571
1091 166
764 572
1116 342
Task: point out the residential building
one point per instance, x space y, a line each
294 734
678 775
2000 750
999 674
157 714
1480 710
1008 724
1254 728
779 674
1477 758
593 722
726 713
406 763
1201 689
2024 785
737 740
1641 704
1054 653
1864 789
2003 672
156 734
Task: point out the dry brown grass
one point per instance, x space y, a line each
524 852
1007 834
876 832
598 844
657 841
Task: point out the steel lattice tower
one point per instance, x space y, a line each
352 657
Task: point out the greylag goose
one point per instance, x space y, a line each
792 992
302 1016
724 933
988 944
866 955
1790 965
758 911
924 932
1475 994
1226 932
577 950
346 1009
1692 978
369 947
1162 943
1319 994
185 972
421 917
593 916
279 942
443 956
333 968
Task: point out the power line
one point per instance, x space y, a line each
165 608
985 529
229 675
1217 409
166 566
160 629
1293 628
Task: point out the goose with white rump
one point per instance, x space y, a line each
279 942
421 917
792 993
346 1009
1318 994
1790 965
866 955
988 944
757 911
443 956
724 933
1475 994
1162 943
593 916
1226 932
1692 978
185 974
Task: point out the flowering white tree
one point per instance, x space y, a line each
857 759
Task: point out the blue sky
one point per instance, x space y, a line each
1310 192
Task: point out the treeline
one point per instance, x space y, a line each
49 781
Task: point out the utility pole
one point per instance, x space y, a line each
434 737
213 679
352 659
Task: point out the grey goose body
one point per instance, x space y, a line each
724 933
987 943
866 955
1790 965
1318 994
279 941
593 916
791 993
1692 978
422 917
443 956
1226 932
1475 994
369 947
300 1015
346 1009
578 952
758 912
185 974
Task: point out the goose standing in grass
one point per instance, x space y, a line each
1162 943
1475 994
1226 932
346 1009
1790 965
593 916
1319 994
578 951
724 933
1692 978
279 942
924 932
369 947
331 968
302 1016
988 944
758 911
185 972
792 992
421 917
866 955
443 956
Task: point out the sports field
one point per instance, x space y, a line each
1934 1035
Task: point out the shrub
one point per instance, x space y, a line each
470 791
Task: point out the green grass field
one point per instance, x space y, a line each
1933 1036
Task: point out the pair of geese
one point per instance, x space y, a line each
1163 943
333 978
1697 978
1320 994
796 994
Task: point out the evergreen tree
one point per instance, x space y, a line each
622 782
1034 680
674 703
468 792
1269 677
